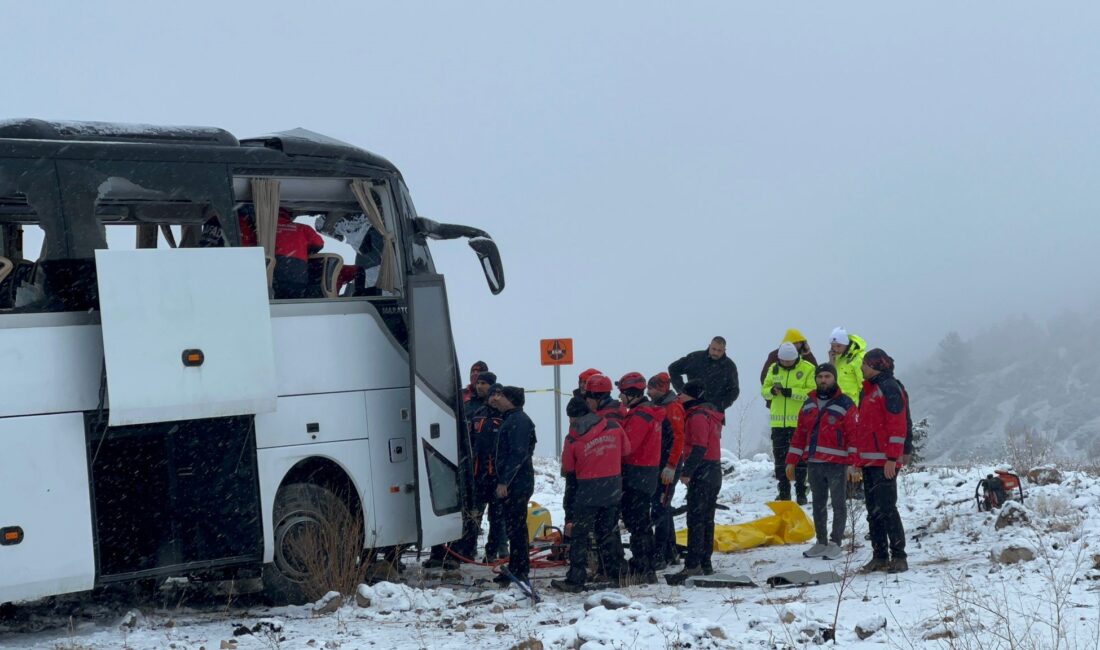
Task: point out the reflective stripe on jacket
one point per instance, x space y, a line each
825 430
795 382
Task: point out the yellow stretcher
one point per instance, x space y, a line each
789 525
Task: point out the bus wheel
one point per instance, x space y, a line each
312 527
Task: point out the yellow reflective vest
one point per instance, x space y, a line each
849 368
800 380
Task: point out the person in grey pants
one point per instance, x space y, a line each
823 441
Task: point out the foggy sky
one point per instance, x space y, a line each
655 174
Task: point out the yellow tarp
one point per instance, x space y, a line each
789 525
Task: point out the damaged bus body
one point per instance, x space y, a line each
168 409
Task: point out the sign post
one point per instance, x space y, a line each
557 353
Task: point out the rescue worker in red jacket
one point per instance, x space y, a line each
702 475
826 426
593 454
576 402
640 472
880 443
294 243
605 405
660 392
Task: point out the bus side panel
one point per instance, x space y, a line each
49 366
328 353
391 450
45 488
353 456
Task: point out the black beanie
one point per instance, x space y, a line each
693 389
487 377
879 360
576 408
825 367
514 394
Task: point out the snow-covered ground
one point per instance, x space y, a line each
955 594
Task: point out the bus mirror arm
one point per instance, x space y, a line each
484 246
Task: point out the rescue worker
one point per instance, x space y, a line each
787 383
598 397
640 473
515 475
712 367
880 443
576 402
826 427
800 343
846 353
660 392
702 474
592 456
470 391
294 243
484 425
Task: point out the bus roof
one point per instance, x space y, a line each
28 136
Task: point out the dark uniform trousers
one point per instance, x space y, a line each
604 522
702 499
887 532
664 531
514 507
636 516
781 444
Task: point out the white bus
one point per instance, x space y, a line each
169 406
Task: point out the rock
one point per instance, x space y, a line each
938 633
228 645
130 620
500 627
529 644
1012 514
460 627
241 630
328 604
364 596
1044 475
717 631
607 600
1012 553
787 616
868 626
1096 561
496 609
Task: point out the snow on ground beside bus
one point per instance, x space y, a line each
954 587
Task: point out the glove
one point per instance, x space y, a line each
667 474
787 392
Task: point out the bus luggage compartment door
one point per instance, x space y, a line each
439 477
45 510
186 334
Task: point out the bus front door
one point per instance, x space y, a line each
440 479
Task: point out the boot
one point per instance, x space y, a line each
875 565
567 586
800 495
682 575
784 491
898 565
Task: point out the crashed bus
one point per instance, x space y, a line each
167 409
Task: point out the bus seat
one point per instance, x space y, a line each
324 269
6 266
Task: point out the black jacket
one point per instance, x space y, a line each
719 377
515 447
484 426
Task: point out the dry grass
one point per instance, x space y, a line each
332 551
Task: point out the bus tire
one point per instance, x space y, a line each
299 507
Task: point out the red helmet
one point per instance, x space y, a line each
660 381
597 384
631 380
588 373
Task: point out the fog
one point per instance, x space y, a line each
655 174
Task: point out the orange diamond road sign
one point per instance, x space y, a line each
556 352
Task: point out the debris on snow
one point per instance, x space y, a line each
328 603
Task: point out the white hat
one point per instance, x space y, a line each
840 335
787 352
